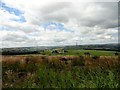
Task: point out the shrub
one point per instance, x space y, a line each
95 57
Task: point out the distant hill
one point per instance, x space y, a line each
35 50
23 50
111 47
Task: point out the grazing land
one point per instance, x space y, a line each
81 52
69 69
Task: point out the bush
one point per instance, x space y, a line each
95 57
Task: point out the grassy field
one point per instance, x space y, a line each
81 52
92 52
72 69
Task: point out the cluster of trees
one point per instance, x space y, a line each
18 52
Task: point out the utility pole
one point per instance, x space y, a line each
76 43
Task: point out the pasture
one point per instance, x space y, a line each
79 53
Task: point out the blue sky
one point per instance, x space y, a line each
20 14
10 9
57 23
14 11
56 26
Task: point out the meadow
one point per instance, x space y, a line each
72 69
81 52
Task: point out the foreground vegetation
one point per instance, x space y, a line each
61 71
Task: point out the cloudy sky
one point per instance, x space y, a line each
46 22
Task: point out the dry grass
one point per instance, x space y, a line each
88 61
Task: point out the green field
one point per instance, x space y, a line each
81 52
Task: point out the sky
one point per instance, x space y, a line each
25 23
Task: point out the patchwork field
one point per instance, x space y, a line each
73 69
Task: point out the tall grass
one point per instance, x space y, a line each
60 72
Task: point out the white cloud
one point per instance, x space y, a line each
92 22
7 16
